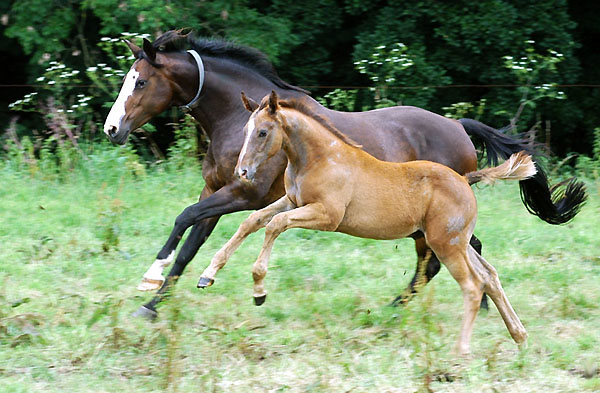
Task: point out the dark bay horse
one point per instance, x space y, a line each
207 80
331 184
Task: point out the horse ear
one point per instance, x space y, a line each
136 50
273 102
249 103
149 50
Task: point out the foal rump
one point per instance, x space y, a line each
519 166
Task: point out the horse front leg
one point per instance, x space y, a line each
153 278
203 215
226 200
198 235
311 216
253 223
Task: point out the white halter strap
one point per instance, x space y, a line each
187 108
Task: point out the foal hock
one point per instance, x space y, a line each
333 185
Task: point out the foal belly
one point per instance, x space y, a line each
381 224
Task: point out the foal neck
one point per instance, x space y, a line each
308 142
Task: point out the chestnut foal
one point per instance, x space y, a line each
333 185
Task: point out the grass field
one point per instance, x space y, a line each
74 250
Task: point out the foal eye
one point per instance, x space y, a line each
262 133
140 83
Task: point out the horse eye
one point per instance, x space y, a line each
140 83
262 133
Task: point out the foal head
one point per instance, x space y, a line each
149 88
263 135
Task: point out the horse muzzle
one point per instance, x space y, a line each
115 134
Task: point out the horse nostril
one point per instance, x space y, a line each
112 131
244 173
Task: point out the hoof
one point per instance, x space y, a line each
146 313
259 300
523 345
205 282
149 285
399 301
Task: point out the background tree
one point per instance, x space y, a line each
316 44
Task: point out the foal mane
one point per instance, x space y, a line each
178 40
301 107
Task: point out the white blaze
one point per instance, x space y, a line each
117 112
251 128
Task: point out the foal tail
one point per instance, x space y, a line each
556 204
519 166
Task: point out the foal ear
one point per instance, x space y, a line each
273 102
136 50
149 50
249 103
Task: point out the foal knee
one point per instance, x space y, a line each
275 226
248 226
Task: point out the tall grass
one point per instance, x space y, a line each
75 245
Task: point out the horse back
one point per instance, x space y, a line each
405 133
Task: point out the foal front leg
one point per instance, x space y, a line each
312 216
253 223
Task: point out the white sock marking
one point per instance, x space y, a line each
155 271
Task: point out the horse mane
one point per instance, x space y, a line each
301 107
178 40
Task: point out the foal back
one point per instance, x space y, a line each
393 200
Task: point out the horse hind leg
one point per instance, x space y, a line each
476 244
428 266
493 288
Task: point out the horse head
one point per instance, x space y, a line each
155 82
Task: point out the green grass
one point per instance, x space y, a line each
73 251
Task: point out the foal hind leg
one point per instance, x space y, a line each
493 288
428 265
472 290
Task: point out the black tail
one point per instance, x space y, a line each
555 205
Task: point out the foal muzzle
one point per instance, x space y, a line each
245 174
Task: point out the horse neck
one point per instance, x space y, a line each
220 111
306 141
